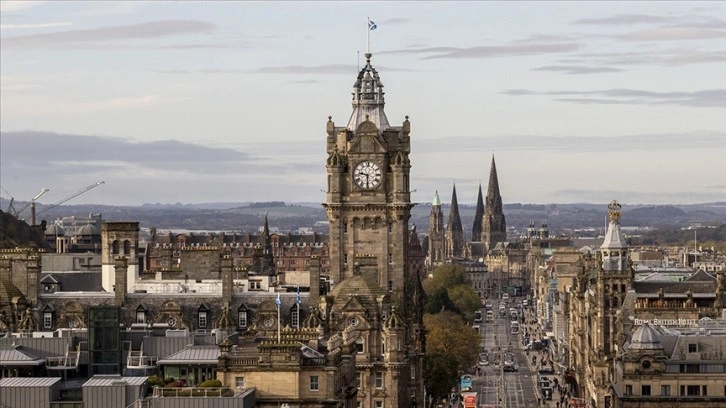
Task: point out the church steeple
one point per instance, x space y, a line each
494 226
477 228
368 101
454 230
436 232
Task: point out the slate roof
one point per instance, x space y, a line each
15 356
28 381
77 281
193 355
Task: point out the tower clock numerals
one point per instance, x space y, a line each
367 175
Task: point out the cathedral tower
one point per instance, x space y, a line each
436 233
494 226
454 230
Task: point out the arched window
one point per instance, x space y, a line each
127 247
242 316
115 247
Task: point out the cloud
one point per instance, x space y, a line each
575 144
671 57
672 34
488 51
642 196
302 69
34 26
624 19
703 98
153 29
576 70
6 6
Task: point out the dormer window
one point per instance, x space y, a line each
202 316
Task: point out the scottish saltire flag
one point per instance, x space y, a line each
372 25
278 302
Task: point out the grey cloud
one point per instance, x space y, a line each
703 98
153 29
671 57
573 143
640 196
672 34
68 153
492 51
624 19
576 70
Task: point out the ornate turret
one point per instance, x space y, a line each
614 247
368 101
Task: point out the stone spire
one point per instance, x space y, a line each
454 230
494 226
478 218
436 232
368 101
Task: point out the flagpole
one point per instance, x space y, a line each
278 322
368 34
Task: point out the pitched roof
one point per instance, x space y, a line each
15 356
193 355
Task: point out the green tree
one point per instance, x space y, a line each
439 301
465 299
445 276
441 374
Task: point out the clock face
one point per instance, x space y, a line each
268 322
367 175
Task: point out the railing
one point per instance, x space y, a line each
139 403
188 392
139 361
69 361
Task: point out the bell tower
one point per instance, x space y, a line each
368 200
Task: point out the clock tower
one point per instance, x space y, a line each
368 200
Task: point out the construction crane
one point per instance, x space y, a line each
32 206
72 196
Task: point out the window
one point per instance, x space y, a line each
690 368
693 390
379 404
140 317
47 320
628 389
390 228
345 259
295 316
239 382
390 286
314 384
127 247
345 228
379 380
704 390
665 390
114 247
693 348
413 371
242 318
202 320
645 390
390 258
359 345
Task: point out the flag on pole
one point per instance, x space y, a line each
278 301
372 25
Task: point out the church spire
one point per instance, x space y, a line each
368 101
454 230
494 226
476 229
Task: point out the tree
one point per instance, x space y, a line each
465 299
448 334
439 301
441 374
445 276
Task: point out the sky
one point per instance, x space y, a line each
196 102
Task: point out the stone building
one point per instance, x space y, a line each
494 225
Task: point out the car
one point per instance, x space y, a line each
524 303
509 368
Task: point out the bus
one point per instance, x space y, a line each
514 327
